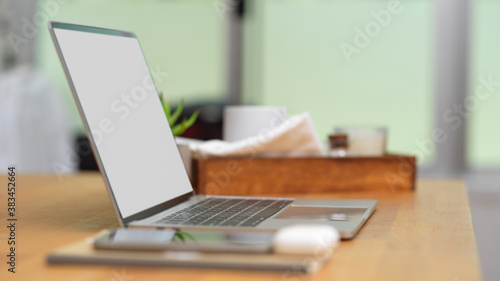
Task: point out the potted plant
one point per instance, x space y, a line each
178 128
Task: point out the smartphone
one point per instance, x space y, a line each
185 240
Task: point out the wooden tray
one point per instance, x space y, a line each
249 176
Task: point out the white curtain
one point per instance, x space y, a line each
35 133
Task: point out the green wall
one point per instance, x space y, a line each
483 131
389 83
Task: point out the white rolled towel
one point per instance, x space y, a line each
295 137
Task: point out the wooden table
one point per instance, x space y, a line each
423 235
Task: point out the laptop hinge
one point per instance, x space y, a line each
156 209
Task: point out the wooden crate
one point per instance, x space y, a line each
248 176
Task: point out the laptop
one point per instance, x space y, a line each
138 156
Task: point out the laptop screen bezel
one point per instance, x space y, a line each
141 214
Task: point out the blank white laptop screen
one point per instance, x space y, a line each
121 106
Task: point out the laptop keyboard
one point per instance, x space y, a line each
226 212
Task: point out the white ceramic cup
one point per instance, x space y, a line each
241 122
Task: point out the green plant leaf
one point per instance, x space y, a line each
192 119
166 108
177 130
177 113
180 128
189 236
179 235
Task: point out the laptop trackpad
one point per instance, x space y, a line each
322 213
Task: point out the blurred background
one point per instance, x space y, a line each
348 63
411 66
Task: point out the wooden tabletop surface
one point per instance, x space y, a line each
421 235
